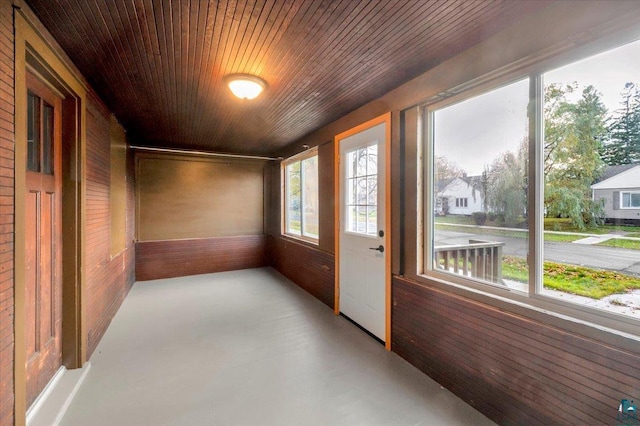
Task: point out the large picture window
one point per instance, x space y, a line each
300 207
547 166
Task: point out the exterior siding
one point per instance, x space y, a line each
461 189
610 211
6 213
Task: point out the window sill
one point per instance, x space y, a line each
306 240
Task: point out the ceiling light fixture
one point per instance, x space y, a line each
245 86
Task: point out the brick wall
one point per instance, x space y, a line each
6 212
108 280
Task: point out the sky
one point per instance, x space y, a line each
473 132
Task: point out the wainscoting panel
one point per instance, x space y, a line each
177 258
512 369
308 267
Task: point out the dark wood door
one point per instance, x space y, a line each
43 322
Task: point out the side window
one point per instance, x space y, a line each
533 187
300 198
480 149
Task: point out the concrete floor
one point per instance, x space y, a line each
249 348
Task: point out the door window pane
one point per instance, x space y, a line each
33 133
362 175
47 139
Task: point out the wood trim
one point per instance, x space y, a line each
30 42
387 226
386 119
336 226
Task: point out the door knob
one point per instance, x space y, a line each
380 248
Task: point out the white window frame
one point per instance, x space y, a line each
533 303
299 158
631 207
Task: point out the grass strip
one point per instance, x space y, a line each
622 243
508 233
588 282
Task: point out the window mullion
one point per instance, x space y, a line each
535 183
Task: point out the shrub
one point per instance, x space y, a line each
480 218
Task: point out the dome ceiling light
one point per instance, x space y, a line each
245 86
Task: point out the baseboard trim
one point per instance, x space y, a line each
52 404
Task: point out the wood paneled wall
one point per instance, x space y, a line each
6 212
182 196
309 267
178 258
108 279
508 363
512 369
199 215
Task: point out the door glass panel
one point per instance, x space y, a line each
362 196
33 133
47 139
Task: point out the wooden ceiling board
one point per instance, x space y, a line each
160 64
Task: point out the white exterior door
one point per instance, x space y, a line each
362 234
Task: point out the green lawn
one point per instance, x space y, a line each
508 233
622 243
593 283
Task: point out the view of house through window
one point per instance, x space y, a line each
301 196
592 181
480 149
589 209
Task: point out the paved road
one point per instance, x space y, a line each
602 257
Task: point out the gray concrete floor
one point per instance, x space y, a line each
249 348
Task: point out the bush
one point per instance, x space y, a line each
480 218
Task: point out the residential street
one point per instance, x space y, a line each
601 257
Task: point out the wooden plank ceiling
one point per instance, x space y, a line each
159 64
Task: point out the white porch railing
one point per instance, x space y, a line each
478 259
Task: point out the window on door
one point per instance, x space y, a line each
39 135
301 213
362 190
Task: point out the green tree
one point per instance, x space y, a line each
506 185
446 169
573 135
623 144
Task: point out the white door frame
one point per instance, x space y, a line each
386 119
